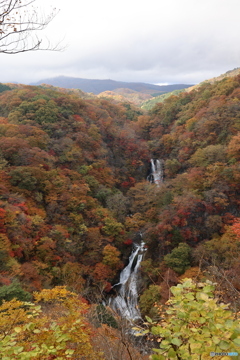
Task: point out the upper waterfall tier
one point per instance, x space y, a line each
156 175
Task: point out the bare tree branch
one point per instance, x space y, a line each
19 23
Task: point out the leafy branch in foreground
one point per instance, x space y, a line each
52 327
195 324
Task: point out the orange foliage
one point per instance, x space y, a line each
102 272
236 228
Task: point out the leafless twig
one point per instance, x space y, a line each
20 22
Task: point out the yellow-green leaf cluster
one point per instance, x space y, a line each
195 324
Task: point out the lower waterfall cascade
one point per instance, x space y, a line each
126 302
156 175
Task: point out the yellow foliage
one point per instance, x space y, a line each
11 314
56 327
111 256
135 222
72 275
190 123
59 293
192 273
5 244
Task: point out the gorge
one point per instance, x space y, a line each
126 302
76 187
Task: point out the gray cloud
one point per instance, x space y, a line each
183 41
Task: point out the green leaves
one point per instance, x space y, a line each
237 341
149 319
176 341
202 296
172 353
190 296
224 345
179 259
69 352
156 330
17 329
195 324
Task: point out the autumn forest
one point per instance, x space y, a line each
74 197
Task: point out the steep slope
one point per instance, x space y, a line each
65 165
194 216
149 104
230 73
73 190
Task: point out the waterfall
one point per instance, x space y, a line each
156 175
126 302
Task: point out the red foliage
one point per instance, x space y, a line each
128 242
102 272
52 152
31 276
23 207
78 118
4 280
18 252
236 228
130 183
228 219
186 233
2 224
108 287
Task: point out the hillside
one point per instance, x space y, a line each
74 197
197 136
122 95
230 73
96 86
63 162
150 103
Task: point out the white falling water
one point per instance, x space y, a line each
156 175
126 302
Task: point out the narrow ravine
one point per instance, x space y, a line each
126 301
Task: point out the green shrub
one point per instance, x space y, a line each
147 300
195 324
179 259
105 317
14 290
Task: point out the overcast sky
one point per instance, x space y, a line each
154 41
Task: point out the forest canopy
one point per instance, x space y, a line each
74 192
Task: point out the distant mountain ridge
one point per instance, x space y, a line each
96 86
